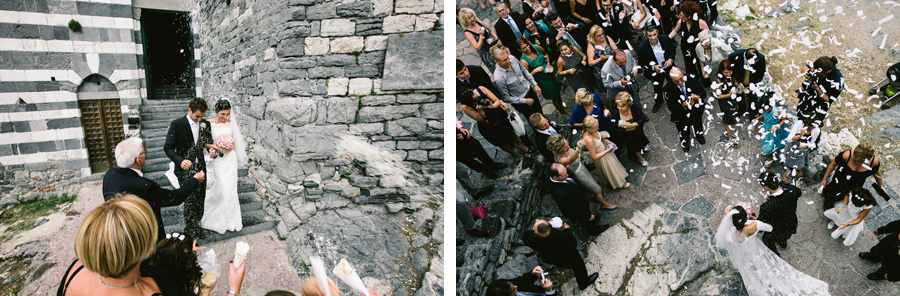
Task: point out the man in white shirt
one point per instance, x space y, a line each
656 56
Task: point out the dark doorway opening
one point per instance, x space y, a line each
168 54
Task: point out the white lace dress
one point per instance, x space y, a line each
222 210
763 272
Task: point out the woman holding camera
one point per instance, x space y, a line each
490 113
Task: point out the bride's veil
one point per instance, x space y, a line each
727 235
240 146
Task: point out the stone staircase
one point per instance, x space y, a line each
155 118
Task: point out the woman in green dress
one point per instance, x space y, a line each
534 59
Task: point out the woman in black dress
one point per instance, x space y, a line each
851 168
726 93
490 113
629 126
584 10
689 26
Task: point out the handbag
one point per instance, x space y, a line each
478 212
517 124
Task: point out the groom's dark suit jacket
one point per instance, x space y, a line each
125 180
180 145
781 211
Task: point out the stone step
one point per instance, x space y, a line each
250 226
154 132
154 142
179 107
165 102
155 153
155 124
174 215
167 116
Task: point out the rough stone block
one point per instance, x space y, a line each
302 87
336 60
363 181
414 61
376 43
338 27
293 111
360 86
312 142
426 22
417 155
382 8
436 154
428 145
291 47
301 62
407 145
382 191
414 6
321 11
405 127
690 169
378 100
341 110
326 72
370 71
368 27
338 86
367 129
268 54
316 45
348 44
350 192
433 111
415 98
399 24
381 114
354 9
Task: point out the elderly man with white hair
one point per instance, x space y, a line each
128 178
711 51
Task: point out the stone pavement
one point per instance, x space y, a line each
660 242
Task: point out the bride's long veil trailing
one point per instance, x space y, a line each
240 146
763 272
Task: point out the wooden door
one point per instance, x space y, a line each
103 129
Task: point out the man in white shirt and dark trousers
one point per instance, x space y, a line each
656 56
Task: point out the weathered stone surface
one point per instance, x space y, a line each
414 61
338 27
316 45
426 22
380 114
347 44
312 142
294 111
700 206
399 24
405 127
689 169
360 86
378 100
336 60
302 87
354 9
415 98
382 8
321 11
291 47
414 6
376 43
340 110
338 86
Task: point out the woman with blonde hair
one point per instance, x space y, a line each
600 148
571 158
627 121
480 36
851 169
111 243
588 104
602 48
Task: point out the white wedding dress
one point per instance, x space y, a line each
763 272
222 210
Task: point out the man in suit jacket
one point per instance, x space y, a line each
542 132
656 56
471 77
185 147
128 179
558 247
568 29
886 252
618 74
509 28
569 196
749 68
779 210
684 97
523 283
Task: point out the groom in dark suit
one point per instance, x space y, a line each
570 198
656 55
185 147
779 210
128 179
684 98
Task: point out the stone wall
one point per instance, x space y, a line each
307 75
42 65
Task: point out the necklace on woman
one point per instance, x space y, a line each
118 287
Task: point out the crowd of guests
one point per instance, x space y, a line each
597 49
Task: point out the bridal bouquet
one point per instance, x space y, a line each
225 141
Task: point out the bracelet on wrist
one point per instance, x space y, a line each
232 293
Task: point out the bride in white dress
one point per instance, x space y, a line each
763 272
222 210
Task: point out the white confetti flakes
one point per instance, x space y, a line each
883 41
838 9
823 18
854 53
876 31
885 19
859 13
726 186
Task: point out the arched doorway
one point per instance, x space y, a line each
101 118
